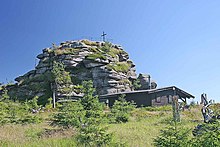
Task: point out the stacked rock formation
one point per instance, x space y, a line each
146 82
106 64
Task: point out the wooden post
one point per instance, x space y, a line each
175 106
54 95
54 99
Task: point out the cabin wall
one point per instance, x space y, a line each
161 101
140 99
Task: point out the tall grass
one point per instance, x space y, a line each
143 126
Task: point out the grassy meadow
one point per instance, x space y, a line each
143 126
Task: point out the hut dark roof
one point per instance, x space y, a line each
172 90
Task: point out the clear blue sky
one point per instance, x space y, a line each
177 42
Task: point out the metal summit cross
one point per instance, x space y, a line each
103 36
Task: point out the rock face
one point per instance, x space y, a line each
146 82
106 64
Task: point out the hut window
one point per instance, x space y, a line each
158 99
170 99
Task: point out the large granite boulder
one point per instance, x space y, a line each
146 82
106 64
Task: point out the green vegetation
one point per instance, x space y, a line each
70 114
90 43
97 55
106 50
91 131
109 50
86 123
172 137
177 135
66 51
121 110
143 127
136 84
61 78
119 66
216 108
17 113
86 115
125 81
209 135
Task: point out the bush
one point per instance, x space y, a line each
216 108
172 137
49 104
136 84
91 132
70 114
207 135
61 78
85 114
121 109
17 113
94 135
32 104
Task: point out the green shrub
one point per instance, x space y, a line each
119 66
92 133
172 137
208 135
31 119
216 108
103 51
4 96
61 78
136 84
120 111
32 104
3 113
49 104
17 113
70 114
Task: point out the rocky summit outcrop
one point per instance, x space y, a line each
106 64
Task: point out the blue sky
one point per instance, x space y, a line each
177 42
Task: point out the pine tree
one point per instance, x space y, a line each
121 110
61 81
91 132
